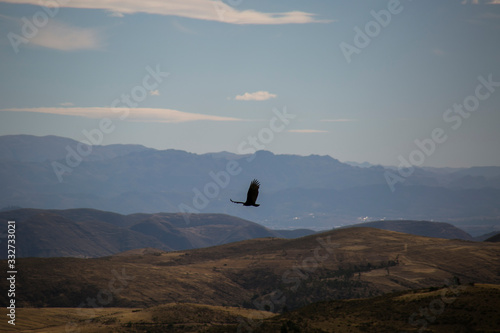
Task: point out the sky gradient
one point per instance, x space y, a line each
376 81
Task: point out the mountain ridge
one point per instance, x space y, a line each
316 192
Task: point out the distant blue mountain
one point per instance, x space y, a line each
313 191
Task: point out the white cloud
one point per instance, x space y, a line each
133 114
307 131
63 37
256 96
66 104
210 10
154 92
477 2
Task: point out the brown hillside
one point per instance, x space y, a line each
84 233
268 274
452 309
48 234
172 317
494 238
419 228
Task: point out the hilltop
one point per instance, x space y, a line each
419 228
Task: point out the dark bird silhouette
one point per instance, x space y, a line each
253 192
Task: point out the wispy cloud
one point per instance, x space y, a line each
61 36
210 10
341 120
133 114
115 14
255 96
154 93
307 131
66 104
54 34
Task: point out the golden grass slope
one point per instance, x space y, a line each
463 308
172 317
453 309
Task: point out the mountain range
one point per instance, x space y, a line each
313 192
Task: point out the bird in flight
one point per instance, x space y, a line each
253 192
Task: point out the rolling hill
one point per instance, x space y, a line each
444 309
419 228
93 233
47 234
494 238
266 274
451 308
163 318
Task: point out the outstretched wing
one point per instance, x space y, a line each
253 192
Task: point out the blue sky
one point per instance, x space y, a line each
360 80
